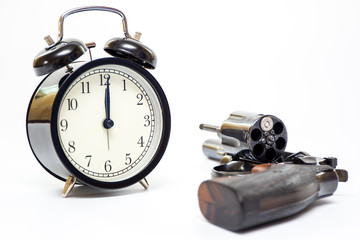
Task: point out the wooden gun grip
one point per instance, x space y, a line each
237 203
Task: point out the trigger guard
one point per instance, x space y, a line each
233 168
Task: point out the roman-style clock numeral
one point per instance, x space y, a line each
128 159
88 158
147 121
85 87
107 166
141 141
140 98
72 104
71 148
104 79
64 125
124 83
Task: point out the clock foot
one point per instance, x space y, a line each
69 184
144 183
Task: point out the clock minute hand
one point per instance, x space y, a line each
108 123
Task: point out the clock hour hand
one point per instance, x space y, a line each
108 123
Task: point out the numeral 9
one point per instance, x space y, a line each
64 125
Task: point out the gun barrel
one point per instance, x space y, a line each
209 128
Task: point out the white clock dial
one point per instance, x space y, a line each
126 142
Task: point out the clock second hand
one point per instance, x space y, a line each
108 142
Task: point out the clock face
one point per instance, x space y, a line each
112 123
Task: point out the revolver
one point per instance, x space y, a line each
257 181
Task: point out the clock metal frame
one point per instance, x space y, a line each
42 129
57 61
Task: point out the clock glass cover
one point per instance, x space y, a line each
109 124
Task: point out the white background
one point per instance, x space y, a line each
297 60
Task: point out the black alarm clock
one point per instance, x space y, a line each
103 123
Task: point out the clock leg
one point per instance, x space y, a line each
69 184
144 183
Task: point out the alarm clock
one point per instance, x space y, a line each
104 122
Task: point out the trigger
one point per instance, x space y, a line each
261 168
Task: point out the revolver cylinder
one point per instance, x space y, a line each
264 136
